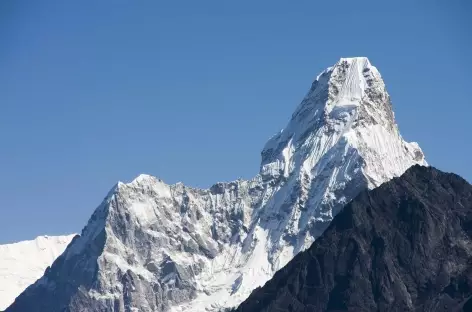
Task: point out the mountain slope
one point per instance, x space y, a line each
405 246
21 264
155 247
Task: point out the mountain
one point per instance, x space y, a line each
21 264
404 246
151 246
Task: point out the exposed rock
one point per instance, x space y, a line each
404 246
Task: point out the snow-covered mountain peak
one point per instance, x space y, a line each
361 60
353 83
349 95
151 246
139 180
143 179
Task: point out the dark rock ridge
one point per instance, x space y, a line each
404 246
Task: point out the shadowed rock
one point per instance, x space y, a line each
404 246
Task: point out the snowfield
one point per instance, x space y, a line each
21 264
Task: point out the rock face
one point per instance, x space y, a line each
405 246
21 264
156 247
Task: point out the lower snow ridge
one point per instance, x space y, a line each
21 264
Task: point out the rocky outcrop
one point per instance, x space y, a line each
404 246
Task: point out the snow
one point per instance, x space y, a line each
218 244
21 264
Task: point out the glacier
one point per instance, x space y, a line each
22 263
151 246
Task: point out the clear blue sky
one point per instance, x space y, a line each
92 92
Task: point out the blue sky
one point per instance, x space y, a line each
92 92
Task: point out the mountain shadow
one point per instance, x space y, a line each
404 246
